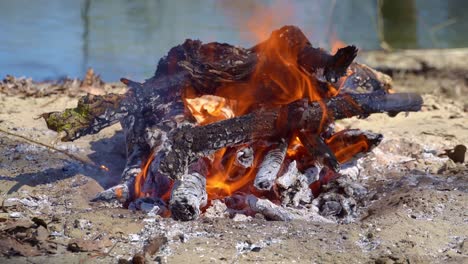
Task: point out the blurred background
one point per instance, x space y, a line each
50 39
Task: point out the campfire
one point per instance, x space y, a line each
253 129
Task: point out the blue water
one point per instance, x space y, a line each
47 39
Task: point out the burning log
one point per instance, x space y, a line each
319 151
270 166
348 144
189 143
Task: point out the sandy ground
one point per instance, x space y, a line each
414 212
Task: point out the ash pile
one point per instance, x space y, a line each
226 131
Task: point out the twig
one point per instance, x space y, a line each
77 158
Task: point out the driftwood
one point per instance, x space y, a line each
155 120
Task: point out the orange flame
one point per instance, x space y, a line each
141 178
345 149
225 180
140 181
336 43
118 193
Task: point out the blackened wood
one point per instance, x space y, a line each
318 149
333 67
189 143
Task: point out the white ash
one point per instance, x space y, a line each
351 170
313 173
25 147
348 186
336 206
34 205
248 246
340 198
275 212
268 209
151 206
134 238
218 209
69 148
241 218
11 202
294 187
29 202
368 243
176 232
16 215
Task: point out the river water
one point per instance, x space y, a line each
49 39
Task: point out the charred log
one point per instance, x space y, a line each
270 166
318 150
188 196
268 209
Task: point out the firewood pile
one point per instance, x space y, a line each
251 128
